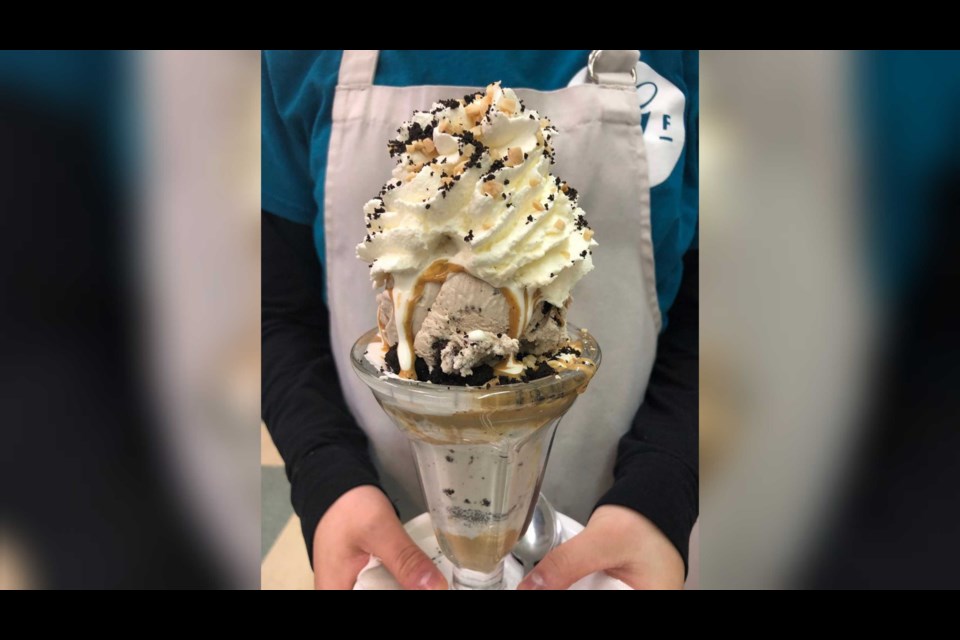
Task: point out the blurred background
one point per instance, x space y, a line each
129 193
830 360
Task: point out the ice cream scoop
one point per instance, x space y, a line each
476 243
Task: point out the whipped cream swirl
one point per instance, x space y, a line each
472 187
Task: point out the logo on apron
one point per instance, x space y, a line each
661 116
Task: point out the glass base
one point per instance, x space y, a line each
468 580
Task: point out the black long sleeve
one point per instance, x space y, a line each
657 467
323 448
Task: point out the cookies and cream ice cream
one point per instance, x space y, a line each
476 244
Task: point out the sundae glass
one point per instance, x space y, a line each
480 453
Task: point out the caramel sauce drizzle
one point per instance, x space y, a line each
519 314
437 272
513 331
584 365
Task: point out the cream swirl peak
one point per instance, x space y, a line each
472 192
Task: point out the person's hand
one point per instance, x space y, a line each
619 541
360 523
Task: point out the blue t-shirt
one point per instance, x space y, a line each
89 88
908 105
297 103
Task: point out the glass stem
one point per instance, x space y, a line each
469 580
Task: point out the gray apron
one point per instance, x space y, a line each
601 152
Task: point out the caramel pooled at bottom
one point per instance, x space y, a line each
478 553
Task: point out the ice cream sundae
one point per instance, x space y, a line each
476 246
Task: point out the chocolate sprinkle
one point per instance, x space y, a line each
542 371
422 369
392 359
396 147
481 375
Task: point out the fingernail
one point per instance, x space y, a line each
431 582
532 582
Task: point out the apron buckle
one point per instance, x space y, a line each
618 63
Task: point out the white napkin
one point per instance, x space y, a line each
375 577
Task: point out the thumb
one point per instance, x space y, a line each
404 559
565 564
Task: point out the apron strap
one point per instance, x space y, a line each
605 66
613 67
357 67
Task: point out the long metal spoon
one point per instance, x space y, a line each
542 535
